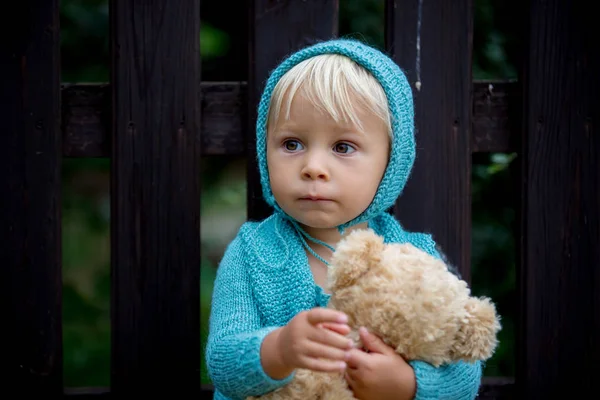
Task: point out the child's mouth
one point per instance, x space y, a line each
314 198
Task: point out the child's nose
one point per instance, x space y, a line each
315 168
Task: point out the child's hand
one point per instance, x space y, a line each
315 340
380 373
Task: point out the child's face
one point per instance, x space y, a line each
323 174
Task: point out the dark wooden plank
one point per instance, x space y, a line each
224 115
496 125
275 30
30 203
85 393
104 393
155 193
491 389
86 114
422 36
560 266
86 118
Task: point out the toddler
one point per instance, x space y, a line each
335 147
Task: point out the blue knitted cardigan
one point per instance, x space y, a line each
264 278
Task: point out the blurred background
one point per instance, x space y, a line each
86 205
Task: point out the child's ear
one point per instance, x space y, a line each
477 337
353 257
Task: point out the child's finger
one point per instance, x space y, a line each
373 343
357 358
342 329
348 375
318 350
319 315
330 338
323 365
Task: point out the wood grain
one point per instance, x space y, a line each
155 198
30 203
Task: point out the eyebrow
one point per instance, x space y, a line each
292 128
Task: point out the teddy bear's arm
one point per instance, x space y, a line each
233 345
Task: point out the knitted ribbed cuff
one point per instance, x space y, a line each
454 381
238 373
260 382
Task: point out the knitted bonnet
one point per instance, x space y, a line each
399 95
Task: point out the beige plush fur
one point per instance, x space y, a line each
409 299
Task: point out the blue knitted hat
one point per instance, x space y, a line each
399 95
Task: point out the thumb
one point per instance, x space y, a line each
372 342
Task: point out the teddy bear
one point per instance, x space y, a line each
407 297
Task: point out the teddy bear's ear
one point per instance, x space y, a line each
354 255
477 337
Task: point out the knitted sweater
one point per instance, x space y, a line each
263 281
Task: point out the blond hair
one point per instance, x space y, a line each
332 83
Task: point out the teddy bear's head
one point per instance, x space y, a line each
411 300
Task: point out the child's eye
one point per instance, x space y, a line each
344 148
292 145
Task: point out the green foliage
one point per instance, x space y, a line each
207 277
493 40
85 49
493 248
86 273
362 20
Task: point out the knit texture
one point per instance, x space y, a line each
399 95
263 281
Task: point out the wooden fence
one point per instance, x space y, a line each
155 119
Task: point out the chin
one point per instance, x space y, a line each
314 222
319 223
315 219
